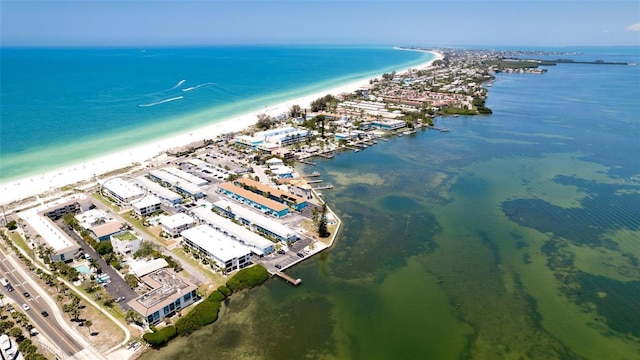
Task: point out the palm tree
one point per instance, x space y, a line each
1 299
88 324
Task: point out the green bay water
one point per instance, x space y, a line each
513 236
69 105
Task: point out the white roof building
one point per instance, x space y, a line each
93 217
225 251
158 190
178 183
186 176
147 205
123 191
141 268
258 244
257 220
177 223
63 246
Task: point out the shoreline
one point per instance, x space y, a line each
149 153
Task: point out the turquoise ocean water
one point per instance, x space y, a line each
61 106
513 236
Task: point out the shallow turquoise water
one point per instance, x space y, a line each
61 106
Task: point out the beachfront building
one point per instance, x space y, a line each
125 243
256 221
254 200
272 193
158 190
279 137
169 294
175 224
121 191
180 185
256 243
64 248
226 252
388 124
73 204
147 206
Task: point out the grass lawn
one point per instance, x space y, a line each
216 278
19 241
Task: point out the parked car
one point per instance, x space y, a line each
300 255
281 252
278 266
11 309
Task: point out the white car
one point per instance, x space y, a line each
25 307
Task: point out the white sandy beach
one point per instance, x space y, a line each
147 154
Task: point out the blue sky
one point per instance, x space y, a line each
428 23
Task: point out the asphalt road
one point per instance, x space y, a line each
49 325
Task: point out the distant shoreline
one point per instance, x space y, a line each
153 151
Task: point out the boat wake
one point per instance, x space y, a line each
161 101
178 84
197 86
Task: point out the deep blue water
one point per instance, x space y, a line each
64 105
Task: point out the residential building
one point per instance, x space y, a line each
169 294
186 176
104 231
122 191
64 248
225 251
9 349
125 243
256 221
272 193
180 185
256 243
387 124
175 224
152 187
146 206
259 202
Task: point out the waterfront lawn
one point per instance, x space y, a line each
215 278
106 202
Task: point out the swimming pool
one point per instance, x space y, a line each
82 269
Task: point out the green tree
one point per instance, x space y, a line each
131 280
15 332
88 324
295 111
322 224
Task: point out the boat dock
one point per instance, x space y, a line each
437 128
289 279
328 186
306 162
314 181
313 174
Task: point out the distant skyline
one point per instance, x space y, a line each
420 23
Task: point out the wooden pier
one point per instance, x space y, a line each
437 128
313 174
328 186
306 162
314 181
327 155
289 279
